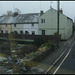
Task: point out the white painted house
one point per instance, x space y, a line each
26 23
48 24
20 23
5 26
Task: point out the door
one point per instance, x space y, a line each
43 32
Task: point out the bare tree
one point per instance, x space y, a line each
9 12
17 10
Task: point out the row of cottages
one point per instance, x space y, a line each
37 23
48 24
20 23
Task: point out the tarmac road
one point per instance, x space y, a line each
68 66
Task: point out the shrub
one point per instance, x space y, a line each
16 69
26 50
39 41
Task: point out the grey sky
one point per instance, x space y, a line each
35 6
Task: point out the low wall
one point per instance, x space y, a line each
31 37
43 54
32 62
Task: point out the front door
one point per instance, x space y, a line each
43 32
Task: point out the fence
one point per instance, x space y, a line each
31 37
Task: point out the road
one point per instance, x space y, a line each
51 62
68 64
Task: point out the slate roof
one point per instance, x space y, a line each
26 18
6 19
21 18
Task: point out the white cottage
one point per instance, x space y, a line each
20 23
5 23
48 24
26 23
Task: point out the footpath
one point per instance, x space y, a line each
50 59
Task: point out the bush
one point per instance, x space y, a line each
39 41
26 50
45 44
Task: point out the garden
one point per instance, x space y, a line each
21 56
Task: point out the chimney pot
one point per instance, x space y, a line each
15 14
41 12
61 11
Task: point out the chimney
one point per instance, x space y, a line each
61 11
15 14
41 12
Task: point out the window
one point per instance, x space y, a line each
15 32
33 32
21 32
6 32
42 20
32 24
6 24
26 32
1 31
14 25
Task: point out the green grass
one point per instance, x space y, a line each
20 44
16 39
45 44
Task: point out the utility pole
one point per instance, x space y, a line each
58 23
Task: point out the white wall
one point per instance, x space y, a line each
5 28
25 27
50 25
18 28
69 27
30 28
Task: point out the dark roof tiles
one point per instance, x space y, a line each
21 18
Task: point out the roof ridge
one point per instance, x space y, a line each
29 13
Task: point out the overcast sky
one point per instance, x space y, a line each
68 7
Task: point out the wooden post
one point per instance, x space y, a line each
58 23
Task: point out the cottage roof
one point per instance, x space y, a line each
26 18
6 19
21 18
